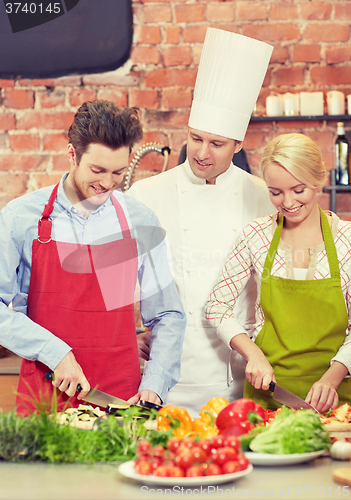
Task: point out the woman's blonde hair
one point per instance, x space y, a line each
299 155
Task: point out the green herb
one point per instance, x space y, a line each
41 437
292 431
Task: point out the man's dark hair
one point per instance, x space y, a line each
102 122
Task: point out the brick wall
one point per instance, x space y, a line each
312 52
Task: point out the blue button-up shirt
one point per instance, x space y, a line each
160 306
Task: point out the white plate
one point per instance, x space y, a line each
127 470
271 459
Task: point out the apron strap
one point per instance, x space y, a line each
45 223
329 248
121 217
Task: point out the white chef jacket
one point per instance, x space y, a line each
202 222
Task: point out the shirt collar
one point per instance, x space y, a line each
67 205
221 179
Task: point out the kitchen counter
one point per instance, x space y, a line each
39 481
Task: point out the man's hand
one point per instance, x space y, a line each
68 374
143 340
145 396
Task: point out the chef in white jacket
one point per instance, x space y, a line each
203 205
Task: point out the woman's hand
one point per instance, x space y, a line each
322 396
259 372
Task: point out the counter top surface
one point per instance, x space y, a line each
42 481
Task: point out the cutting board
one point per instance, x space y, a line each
342 476
336 425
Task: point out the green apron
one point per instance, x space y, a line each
305 324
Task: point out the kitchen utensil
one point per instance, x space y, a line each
288 398
103 399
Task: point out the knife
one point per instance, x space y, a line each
288 398
104 399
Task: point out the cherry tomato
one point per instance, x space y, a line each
243 461
184 461
213 470
189 442
162 471
143 446
158 451
217 442
231 467
206 446
173 444
195 471
233 442
223 455
155 462
183 450
143 468
175 471
199 454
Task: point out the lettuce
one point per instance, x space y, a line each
292 431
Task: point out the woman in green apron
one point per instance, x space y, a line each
301 258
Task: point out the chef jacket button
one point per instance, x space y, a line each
183 191
234 229
186 228
191 312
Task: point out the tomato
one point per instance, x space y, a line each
233 442
213 470
195 471
243 461
155 462
158 451
173 444
142 467
206 446
183 450
231 467
143 446
189 442
199 454
217 442
175 471
223 455
162 471
184 461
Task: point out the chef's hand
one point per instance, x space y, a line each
259 372
143 340
68 374
322 396
145 396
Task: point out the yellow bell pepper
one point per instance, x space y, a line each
205 426
169 416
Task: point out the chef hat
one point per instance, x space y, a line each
230 75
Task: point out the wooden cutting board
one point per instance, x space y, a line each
342 476
336 425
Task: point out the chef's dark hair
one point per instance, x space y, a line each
102 122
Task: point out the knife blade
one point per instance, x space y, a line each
288 398
104 399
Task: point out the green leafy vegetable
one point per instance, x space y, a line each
41 437
292 431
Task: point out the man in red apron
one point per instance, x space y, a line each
79 272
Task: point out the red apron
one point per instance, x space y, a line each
87 300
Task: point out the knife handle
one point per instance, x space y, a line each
272 386
51 376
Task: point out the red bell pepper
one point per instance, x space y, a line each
240 417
